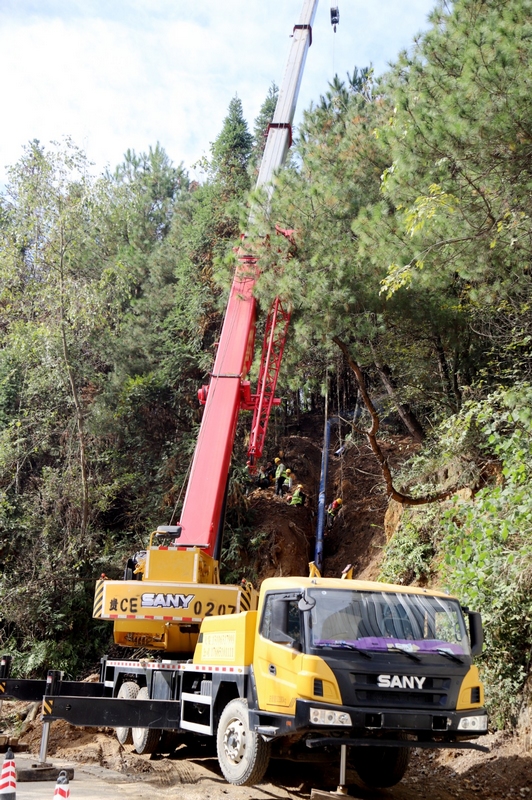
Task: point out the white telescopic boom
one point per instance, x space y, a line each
280 131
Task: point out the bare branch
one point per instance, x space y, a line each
371 435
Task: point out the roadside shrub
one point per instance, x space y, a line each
409 553
481 549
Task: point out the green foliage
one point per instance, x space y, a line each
331 271
240 553
488 546
260 128
88 419
230 153
481 549
457 194
409 554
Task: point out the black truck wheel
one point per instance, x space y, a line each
380 767
145 740
128 690
243 755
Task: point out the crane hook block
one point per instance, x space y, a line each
335 16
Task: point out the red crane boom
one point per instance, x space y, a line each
228 390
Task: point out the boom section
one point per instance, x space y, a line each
228 391
280 131
202 508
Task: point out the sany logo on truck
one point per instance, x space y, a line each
130 604
400 682
166 600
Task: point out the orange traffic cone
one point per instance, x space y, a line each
62 788
8 781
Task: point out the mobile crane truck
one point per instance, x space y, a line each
306 667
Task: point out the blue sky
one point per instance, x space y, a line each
119 74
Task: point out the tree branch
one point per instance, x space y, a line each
371 436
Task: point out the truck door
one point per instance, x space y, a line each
278 653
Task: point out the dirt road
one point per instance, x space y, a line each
104 769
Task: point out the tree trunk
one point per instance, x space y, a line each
77 405
409 419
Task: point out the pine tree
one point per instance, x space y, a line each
260 129
231 151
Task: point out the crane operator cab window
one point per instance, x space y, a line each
281 620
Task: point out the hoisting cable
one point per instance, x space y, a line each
335 17
185 479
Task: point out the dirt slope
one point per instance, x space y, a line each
357 536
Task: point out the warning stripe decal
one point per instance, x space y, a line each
9 777
245 598
98 599
2 687
47 707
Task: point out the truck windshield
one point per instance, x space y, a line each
382 621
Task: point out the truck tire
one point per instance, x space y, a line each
243 755
145 740
128 690
380 767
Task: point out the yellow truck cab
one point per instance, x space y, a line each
377 667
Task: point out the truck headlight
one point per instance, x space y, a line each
479 723
324 716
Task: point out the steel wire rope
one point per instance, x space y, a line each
185 479
334 52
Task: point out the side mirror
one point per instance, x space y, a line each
306 602
476 634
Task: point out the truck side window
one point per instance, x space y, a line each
267 618
293 621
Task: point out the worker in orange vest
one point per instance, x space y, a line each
332 510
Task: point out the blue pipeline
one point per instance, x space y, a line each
318 551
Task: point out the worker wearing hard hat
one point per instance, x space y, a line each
298 498
332 510
288 481
280 474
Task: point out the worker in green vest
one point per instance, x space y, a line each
288 482
298 498
280 475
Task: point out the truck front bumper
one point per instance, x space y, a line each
443 729
328 741
323 724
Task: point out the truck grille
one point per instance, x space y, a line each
434 693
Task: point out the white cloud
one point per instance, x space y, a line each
130 73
